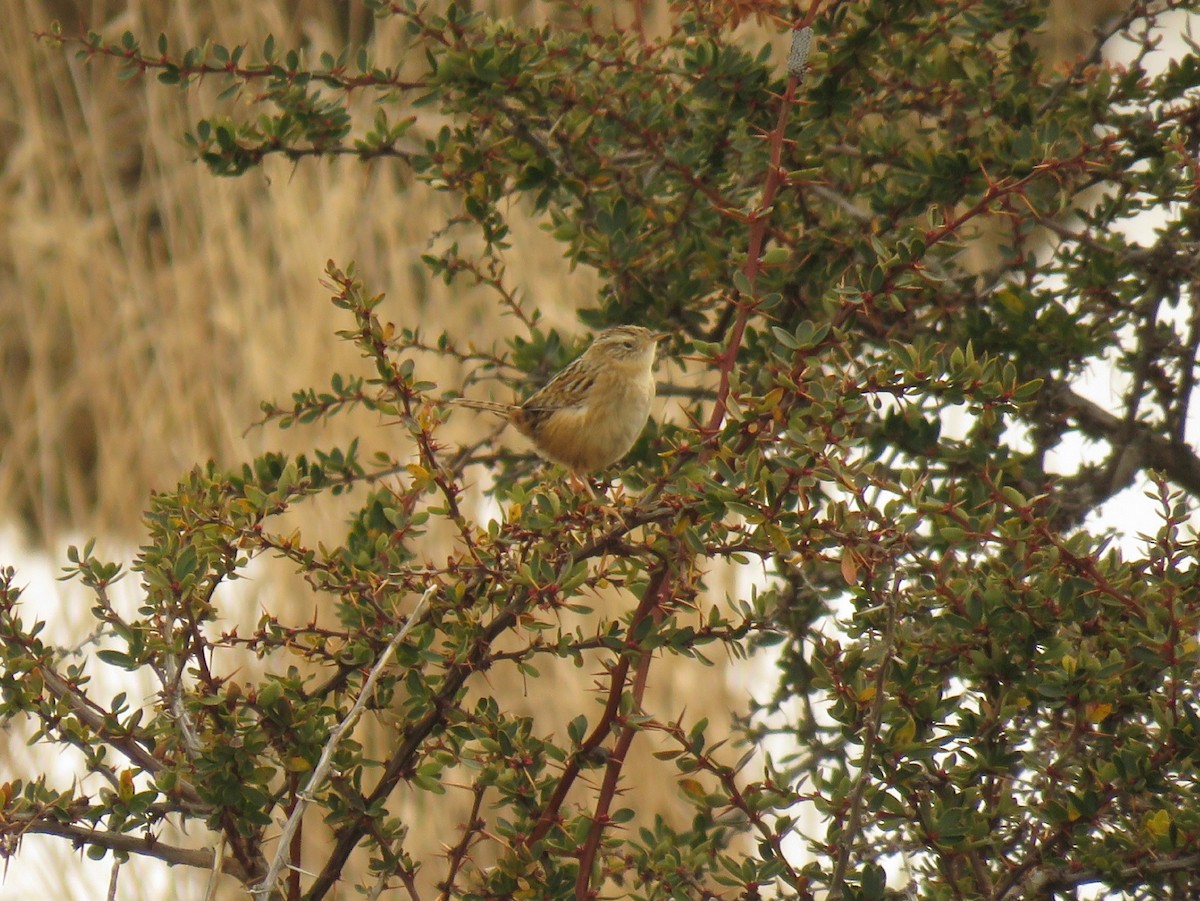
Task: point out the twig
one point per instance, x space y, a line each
727 776
218 865
171 678
651 606
306 796
146 845
94 717
758 219
381 885
874 722
459 854
608 787
604 725
1043 881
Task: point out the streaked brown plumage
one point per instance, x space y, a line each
589 415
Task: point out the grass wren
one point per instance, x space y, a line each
588 416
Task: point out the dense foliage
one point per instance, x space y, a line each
889 277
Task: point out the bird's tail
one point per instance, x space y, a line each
487 405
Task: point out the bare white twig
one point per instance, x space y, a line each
218 865
305 797
171 687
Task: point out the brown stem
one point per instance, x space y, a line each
651 605
459 854
758 232
604 725
146 845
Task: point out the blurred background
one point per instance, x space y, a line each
148 307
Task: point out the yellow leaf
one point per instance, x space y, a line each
125 786
692 788
1157 823
1098 713
297 765
904 734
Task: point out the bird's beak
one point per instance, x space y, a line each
660 336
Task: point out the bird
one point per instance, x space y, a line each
590 413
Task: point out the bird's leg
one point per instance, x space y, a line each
580 483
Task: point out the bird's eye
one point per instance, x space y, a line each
628 344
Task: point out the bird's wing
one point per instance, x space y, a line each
568 389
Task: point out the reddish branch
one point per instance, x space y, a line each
470 831
759 219
737 797
373 340
550 813
612 775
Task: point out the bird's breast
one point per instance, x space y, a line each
600 432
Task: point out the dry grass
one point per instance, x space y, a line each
147 306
